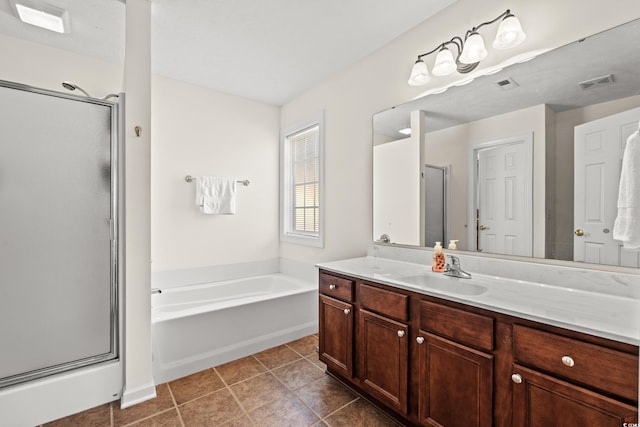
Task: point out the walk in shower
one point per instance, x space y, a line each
58 232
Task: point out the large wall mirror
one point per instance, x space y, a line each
531 156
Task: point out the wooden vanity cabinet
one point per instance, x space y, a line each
540 400
429 361
336 321
382 345
566 380
455 367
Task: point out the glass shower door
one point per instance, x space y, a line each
58 297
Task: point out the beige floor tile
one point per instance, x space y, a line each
359 414
244 421
305 346
299 373
325 395
168 418
211 410
196 385
288 411
95 417
277 356
142 410
314 358
258 391
240 370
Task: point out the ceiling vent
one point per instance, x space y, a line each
597 82
507 84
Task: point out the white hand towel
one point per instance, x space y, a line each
216 195
627 225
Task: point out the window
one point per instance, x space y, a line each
301 184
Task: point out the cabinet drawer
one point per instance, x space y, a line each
336 287
608 370
468 328
389 303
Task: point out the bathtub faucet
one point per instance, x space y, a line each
156 291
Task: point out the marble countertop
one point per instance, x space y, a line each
597 313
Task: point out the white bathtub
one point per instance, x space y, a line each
195 327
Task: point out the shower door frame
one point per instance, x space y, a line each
116 229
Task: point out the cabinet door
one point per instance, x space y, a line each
383 348
455 384
540 401
336 335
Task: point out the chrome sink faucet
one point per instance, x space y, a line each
454 269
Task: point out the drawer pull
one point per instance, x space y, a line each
419 340
347 311
400 334
516 378
568 361
332 287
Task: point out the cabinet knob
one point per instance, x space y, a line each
347 311
420 340
332 287
400 333
568 361
516 378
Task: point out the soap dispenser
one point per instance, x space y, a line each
438 258
453 244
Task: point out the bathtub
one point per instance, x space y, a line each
195 327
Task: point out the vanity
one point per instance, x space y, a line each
490 351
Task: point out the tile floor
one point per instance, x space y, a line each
281 386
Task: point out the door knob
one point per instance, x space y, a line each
347 311
516 378
579 232
483 227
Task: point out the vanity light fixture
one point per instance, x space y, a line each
42 15
470 51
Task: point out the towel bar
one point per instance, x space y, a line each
244 182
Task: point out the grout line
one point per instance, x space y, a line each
244 411
112 421
148 417
175 405
341 408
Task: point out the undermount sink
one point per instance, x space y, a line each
444 283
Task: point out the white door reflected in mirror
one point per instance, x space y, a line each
504 183
598 148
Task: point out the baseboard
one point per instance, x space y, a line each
137 395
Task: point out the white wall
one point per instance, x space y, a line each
378 82
41 66
397 191
199 131
138 381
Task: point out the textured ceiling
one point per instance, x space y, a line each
266 50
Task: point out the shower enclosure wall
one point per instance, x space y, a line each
58 233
